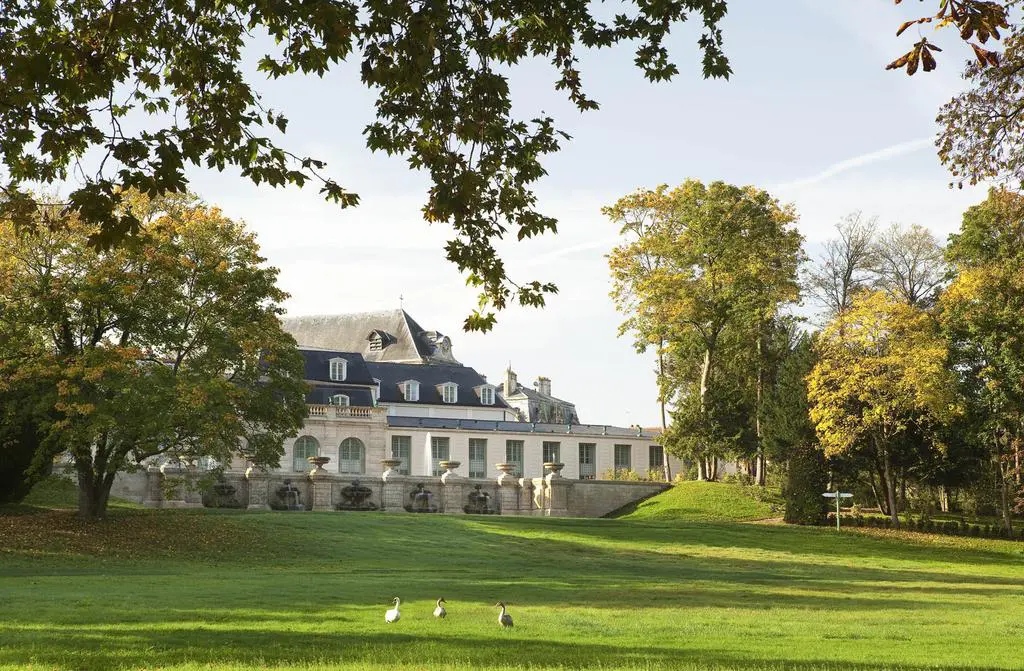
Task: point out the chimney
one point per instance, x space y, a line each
543 385
510 381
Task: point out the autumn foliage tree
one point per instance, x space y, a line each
168 345
983 316
709 266
881 375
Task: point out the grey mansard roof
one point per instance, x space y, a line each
391 375
402 339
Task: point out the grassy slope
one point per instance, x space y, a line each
308 590
702 502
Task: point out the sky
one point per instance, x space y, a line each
809 114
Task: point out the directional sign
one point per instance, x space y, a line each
837 496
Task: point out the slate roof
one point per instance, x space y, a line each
321 395
518 427
536 395
403 338
318 366
391 375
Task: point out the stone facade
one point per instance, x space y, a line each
451 493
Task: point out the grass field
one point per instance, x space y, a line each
213 590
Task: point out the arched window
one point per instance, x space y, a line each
304 448
339 399
350 456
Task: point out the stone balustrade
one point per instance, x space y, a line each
345 411
451 493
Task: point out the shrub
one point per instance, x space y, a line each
804 486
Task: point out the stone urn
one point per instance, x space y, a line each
507 471
554 468
390 467
318 464
449 470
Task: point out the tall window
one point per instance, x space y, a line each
401 448
514 455
350 456
487 395
450 392
623 457
552 451
304 448
438 453
478 457
656 460
588 465
339 399
338 369
375 392
411 390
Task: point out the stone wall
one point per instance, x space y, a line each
451 493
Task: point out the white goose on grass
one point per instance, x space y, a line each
504 619
440 612
392 614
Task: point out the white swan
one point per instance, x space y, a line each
440 611
392 614
504 619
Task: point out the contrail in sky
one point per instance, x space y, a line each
860 161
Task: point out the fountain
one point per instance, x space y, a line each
221 495
479 502
356 497
288 497
421 501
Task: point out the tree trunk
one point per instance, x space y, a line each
661 399
93 493
943 499
701 474
759 463
712 469
890 487
1004 497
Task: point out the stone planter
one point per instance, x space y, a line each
390 467
449 465
318 463
506 478
554 468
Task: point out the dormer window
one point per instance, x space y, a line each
411 390
339 399
450 392
339 369
487 395
378 340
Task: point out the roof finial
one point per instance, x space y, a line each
401 302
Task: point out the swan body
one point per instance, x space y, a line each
393 614
440 612
504 619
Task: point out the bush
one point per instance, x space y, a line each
804 486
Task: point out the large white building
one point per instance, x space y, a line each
382 387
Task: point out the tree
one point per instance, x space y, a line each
910 265
129 94
722 256
846 266
169 345
123 94
978 19
881 374
983 316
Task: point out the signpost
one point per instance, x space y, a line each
837 496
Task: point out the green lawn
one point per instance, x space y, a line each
703 502
212 590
